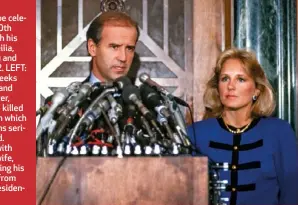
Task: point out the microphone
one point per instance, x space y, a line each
128 136
96 90
129 124
75 100
145 78
116 109
102 106
74 87
119 84
57 99
99 87
83 93
113 87
70 109
131 95
152 99
122 82
147 127
71 89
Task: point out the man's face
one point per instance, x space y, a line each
113 55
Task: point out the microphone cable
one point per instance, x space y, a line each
52 180
193 129
194 143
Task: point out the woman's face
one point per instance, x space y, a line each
236 88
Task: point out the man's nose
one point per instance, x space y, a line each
122 55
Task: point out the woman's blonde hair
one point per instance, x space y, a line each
265 102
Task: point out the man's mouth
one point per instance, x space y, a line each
118 68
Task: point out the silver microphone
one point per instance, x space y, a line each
57 99
145 78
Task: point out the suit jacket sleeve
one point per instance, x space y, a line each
287 166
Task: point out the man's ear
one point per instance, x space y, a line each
91 47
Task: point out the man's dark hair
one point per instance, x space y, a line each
114 18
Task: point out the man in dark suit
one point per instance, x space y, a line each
111 42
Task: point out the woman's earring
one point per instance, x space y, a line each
254 98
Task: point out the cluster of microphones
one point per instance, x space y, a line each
112 119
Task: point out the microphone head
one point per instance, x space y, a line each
129 91
150 97
86 88
74 87
60 96
97 89
122 82
143 77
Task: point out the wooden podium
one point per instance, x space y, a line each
125 181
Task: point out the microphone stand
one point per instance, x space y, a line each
89 109
115 135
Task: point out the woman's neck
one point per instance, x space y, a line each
236 118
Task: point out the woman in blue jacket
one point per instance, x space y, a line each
261 151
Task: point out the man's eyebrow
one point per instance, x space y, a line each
130 46
119 45
114 44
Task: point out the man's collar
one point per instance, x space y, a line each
93 79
